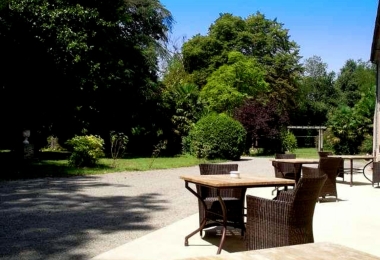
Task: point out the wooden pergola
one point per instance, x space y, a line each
320 133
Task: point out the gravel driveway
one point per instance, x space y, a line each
81 217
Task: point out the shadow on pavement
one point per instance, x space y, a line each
47 218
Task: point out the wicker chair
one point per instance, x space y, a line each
288 220
330 167
284 170
233 198
376 173
342 170
310 172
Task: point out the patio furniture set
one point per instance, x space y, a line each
284 220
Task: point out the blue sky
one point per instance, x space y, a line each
335 30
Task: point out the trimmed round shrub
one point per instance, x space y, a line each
86 150
288 141
217 136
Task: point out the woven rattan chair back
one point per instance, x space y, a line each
286 221
310 172
213 169
341 167
284 170
330 167
233 198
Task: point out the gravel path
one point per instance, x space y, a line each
81 217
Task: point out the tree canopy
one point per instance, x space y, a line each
263 39
351 122
316 94
70 67
232 83
91 65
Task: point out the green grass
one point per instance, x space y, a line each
55 164
310 153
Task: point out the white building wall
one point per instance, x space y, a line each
376 119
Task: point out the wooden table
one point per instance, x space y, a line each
225 181
297 164
352 158
315 251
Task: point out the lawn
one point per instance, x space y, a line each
55 164
311 153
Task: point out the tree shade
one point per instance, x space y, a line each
69 66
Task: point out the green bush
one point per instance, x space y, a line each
217 136
288 141
328 140
86 150
367 144
186 141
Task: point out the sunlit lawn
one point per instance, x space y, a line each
60 167
56 165
307 153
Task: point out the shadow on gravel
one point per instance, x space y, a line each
46 218
44 164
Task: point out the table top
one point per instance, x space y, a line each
315 251
347 156
226 181
298 160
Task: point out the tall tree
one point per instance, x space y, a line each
263 122
183 109
353 77
316 94
85 64
255 36
352 121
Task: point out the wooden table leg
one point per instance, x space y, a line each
224 232
204 221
